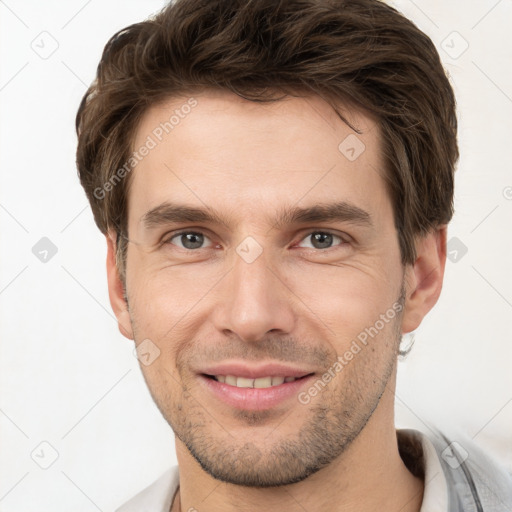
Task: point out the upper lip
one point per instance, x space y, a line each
255 372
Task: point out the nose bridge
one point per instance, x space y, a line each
253 301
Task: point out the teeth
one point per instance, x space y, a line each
263 382
260 383
242 382
230 380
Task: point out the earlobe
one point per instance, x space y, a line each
424 279
116 291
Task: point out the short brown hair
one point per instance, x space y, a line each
362 52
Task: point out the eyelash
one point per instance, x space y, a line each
168 239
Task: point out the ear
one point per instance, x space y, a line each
116 290
424 279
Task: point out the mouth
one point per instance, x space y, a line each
254 394
258 383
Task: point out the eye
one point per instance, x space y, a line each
323 239
188 240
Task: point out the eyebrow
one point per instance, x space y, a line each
343 211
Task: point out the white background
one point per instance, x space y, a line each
68 378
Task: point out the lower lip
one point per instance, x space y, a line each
254 399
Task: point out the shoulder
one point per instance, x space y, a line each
475 481
157 497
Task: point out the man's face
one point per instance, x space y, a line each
260 288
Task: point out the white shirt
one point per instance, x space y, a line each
159 495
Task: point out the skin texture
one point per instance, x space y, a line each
296 303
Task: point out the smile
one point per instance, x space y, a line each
253 394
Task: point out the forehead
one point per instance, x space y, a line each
218 150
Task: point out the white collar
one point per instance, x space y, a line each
435 494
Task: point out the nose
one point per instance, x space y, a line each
253 300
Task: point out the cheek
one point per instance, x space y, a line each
164 300
346 298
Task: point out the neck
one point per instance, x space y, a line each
368 476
